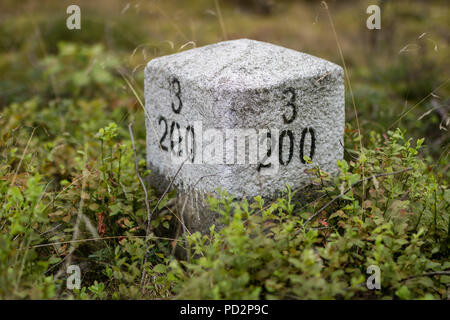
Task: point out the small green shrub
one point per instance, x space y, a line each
398 222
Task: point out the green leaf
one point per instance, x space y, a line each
160 268
403 293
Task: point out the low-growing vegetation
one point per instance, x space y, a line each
70 192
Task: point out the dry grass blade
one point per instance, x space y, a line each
418 103
349 86
148 227
222 24
96 239
147 206
21 158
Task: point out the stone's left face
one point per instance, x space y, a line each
244 115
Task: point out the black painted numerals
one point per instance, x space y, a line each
176 89
290 92
190 142
290 136
161 142
175 135
285 156
174 132
180 139
268 154
302 144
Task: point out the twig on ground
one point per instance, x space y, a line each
51 229
346 151
94 239
147 206
428 274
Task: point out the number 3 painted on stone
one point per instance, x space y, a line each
176 83
290 104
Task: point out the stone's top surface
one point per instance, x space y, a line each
243 65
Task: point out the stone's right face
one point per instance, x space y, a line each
245 115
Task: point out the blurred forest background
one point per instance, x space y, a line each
68 185
391 69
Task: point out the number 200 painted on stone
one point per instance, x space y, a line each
177 105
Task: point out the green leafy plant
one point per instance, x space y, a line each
387 210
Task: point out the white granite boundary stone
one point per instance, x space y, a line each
214 109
